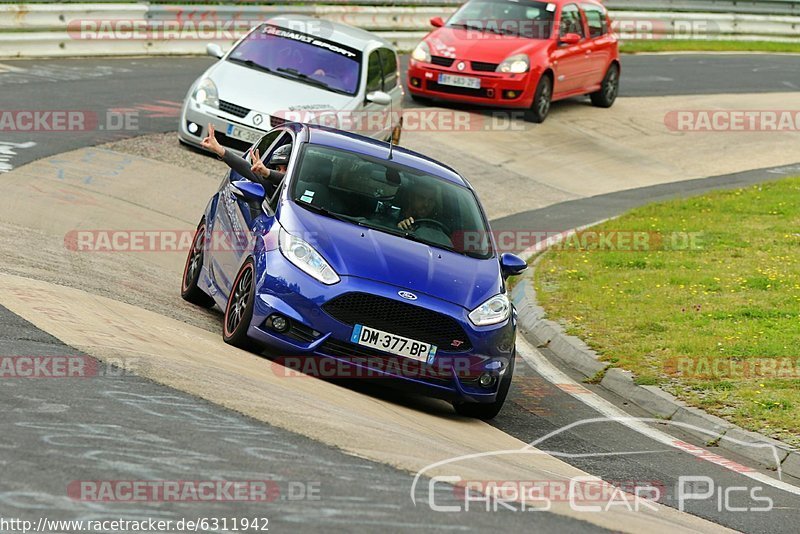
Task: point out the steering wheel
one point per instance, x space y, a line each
432 222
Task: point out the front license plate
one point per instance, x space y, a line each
391 343
243 134
460 81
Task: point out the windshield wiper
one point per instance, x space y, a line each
250 63
297 75
412 237
329 213
305 77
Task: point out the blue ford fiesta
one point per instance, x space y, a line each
374 259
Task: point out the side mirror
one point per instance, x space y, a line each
249 191
570 39
214 50
437 22
380 98
512 265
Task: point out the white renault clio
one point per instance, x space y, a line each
299 69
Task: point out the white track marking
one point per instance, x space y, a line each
549 372
8 151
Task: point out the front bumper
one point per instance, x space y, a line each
499 90
316 335
201 116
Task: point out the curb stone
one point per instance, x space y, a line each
542 332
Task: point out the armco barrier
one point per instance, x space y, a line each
38 29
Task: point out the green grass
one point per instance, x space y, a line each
671 314
706 45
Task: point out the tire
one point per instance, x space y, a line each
239 310
489 411
609 89
543 97
190 291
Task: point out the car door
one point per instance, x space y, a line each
570 63
232 222
600 45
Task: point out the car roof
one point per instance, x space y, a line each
332 31
325 136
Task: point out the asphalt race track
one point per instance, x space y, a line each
184 416
156 87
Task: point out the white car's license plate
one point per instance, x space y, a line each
391 343
243 134
460 81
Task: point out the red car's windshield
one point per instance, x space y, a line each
533 20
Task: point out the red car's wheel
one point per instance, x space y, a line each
540 107
607 95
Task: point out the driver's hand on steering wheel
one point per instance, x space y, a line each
406 224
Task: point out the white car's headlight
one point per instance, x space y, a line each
206 93
493 311
305 258
515 64
422 52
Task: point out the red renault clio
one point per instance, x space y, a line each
518 54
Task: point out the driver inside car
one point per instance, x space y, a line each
421 205
270 175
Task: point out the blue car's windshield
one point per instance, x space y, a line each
391 198
301 57
523 18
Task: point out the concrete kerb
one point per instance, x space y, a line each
573 352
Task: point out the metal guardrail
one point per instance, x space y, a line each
764 7
46 29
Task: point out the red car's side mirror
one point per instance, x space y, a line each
571 39
437 22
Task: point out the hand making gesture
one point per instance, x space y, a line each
211 143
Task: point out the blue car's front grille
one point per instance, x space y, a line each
399 318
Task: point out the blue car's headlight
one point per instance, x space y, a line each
493 311
305 258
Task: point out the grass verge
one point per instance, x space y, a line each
705 45
699 296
